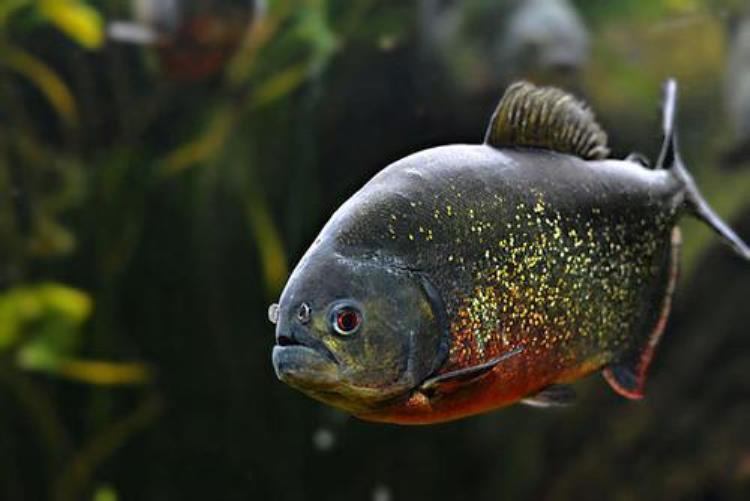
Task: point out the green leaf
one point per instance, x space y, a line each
8 7
105 493
43 323
45 317
279 85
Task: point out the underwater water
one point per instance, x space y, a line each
165 164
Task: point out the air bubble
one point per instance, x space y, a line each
381 493
323 439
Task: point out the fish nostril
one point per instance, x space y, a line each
303 314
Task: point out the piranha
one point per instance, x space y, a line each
464 278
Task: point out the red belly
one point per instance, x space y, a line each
509 382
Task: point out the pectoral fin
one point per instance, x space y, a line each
557 395
454 378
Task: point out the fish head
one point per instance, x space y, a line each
355 333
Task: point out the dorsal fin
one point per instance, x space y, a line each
546 117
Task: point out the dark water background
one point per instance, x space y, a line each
153 197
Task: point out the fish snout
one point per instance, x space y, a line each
295 336
302 360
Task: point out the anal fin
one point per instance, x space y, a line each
628 376
557 395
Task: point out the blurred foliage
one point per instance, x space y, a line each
81 165
42 323
76 19
105 494
148 216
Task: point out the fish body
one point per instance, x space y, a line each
502 271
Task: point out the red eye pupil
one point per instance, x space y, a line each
347 320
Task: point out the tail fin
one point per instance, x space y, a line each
670 159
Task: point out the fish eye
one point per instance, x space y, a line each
273 313
345 319
303 314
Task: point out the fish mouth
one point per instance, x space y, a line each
304 362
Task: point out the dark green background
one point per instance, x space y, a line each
177 206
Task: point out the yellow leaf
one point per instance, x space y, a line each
43 78
104 373
79 21
279 85
202 148
268 241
